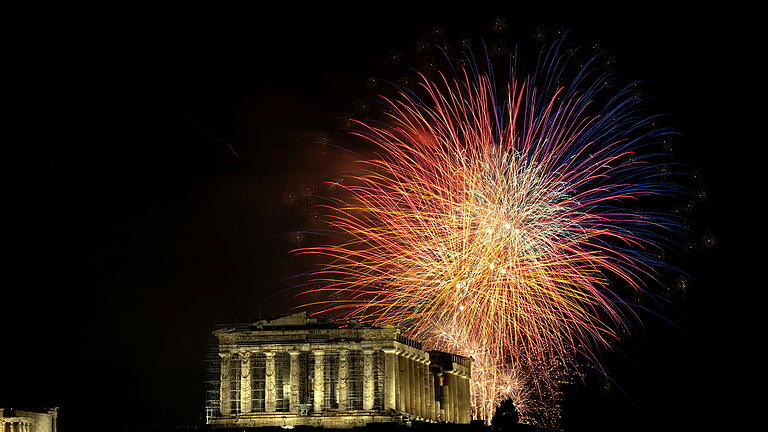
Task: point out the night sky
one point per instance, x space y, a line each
170 162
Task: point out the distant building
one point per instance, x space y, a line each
40 420
301 371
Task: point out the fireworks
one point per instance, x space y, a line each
493 223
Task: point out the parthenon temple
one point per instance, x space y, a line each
28 420
296 370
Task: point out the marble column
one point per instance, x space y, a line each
295 376
456 395
448 402
454 398
406 392
245 382
459 400
390 379
431 392
224 384
443 386
368 377
417 396
425 405
401 380
343 380
427 395
422 397
414 385
319 384
466 400
468 385
416 399
463 397
270 384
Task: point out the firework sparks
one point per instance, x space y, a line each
492 223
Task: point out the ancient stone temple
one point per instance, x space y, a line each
297 370
28 420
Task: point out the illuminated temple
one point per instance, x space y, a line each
299 371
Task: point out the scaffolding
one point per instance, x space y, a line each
259 382
212 378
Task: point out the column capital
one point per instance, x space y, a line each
269 353
294 353
389 350
245 355
225 355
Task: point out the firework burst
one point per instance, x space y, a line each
494 223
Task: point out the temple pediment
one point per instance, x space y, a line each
297 319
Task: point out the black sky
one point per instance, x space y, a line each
162 156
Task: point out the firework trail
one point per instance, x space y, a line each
494 223
492 380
